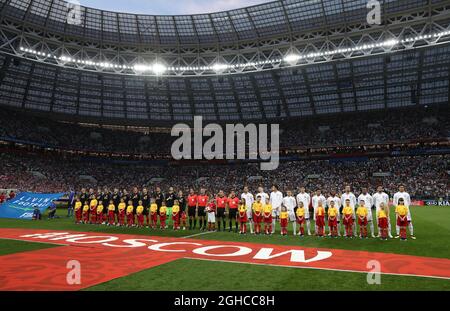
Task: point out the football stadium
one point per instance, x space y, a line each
288 145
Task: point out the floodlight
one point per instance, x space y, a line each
158 68
219 67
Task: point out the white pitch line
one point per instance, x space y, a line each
197 234
318 268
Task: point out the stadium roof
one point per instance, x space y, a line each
256 22
282 17
273 35
419 77
285 58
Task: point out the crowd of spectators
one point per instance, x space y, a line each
374 127
7 196
15 125
424 176
347 129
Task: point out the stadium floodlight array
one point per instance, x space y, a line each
156 68
294 58
68 59
290 59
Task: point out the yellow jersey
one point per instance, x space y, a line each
348 210
99 209
122 206
130 209
94 203
268 209
361 211
332 212
86 208
175 209
257 207
242 208
382 214
111 207
320 211
402 210
153 208
139 209
163 210
300 212
283 215
78 205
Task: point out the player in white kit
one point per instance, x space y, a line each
368 203
337 203
407 200
276 199
305 198
349 195
318 197
249 203
382 197
264 196
290 204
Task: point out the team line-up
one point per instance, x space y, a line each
261 212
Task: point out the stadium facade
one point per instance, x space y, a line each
281 59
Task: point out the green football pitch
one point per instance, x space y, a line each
431 226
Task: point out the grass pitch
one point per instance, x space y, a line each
431 226
12 246
183 275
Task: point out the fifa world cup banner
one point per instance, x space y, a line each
23 205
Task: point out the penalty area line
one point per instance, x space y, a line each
316 268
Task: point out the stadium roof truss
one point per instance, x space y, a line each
264 37
300 58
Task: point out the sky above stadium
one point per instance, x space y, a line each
169 7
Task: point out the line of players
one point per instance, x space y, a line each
140 209
134 209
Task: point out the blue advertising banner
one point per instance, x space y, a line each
22 206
